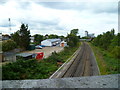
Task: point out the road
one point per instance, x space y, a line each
84 64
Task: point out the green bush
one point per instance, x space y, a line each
31 69
27 69
116 52
8 45
54 58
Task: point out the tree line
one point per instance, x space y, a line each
109 41
21 38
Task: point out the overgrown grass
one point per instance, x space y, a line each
31 69
107 64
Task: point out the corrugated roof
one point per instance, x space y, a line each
24 54
53 40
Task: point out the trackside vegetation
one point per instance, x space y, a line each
32 69
107 51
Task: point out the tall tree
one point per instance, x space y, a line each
24 36
15 36
74 31
72 38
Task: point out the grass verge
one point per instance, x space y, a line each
106 63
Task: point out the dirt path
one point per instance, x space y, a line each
84 63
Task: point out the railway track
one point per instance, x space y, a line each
84 64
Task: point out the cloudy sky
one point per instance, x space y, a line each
59 18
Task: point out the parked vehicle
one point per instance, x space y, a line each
38 47
42 45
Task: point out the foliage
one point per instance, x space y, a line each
22 36
72 38
96 41
106 63
15 36
52 36
8 45
115 41
61 37
74 31
85 38
25 36
104 40
116 52
38 38
109 41
54 58
31 69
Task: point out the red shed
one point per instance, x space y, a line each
39 55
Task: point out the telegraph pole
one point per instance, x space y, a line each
9 24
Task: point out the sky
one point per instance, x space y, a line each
59 16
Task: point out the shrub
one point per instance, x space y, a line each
31 69
54 58
27 69
8 45
116 52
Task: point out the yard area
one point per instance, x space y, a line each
31 69
47 50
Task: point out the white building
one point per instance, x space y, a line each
51 42
63 44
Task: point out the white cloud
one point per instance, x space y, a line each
60 18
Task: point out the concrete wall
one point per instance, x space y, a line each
105 81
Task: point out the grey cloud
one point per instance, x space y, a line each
43 25
6 24
95 7
59 28
63 5
49 23
3 1
38 28
24 5
105 7
21 4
